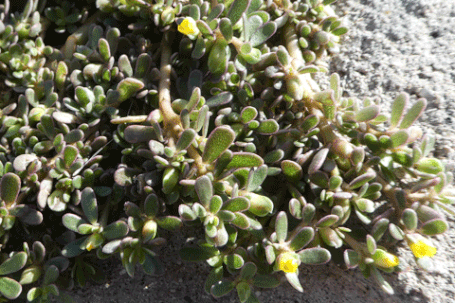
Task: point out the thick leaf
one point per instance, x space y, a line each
293 279
435 227
89 205
72 221
292 170
304 236
351 258
204 190
140 133
169 222
128 87
115 230
263 33
185 140
215 275
256 177
237 9
259 205
430 166
315 255
398 107
241 221
362 179
218 57
268 127
281 226
13 264
409 218
248 271
10 186
243 291
318 160
367 113
219 140
70 154
10 289
330 237
237 204
226 28
245 159
220 99
399 138
222 287
413 113
233 261
30 275
327 221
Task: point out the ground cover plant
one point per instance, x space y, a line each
121 119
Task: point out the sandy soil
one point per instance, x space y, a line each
393 46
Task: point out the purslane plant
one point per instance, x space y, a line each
144 116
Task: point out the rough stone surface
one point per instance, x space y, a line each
393 46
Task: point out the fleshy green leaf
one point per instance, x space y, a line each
13 264
243 291
263 33
409 217
367 113
304 236
281 226
245 159
413 113
219 140
292 170
115 230
219 99
10 186
237 9
315 255
430 166
222 288
268 127
434 227
204 190
10 289
72 221
128 87
89 205
233 261
260 205
398 107
185 140
169 222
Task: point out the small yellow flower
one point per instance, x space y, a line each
90 246
384 259
188 27
288 262
422 248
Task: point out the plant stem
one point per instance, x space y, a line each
172 122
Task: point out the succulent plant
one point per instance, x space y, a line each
109 138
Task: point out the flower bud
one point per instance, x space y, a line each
384 259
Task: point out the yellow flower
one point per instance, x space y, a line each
90 246
188 27
422 248
288 262
384 259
